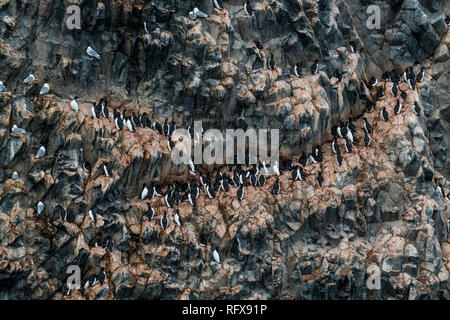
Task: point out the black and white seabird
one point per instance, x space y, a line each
102 276
168 198
218 4
298 70
348 146
416 108
253 180
91 215
367 126
276 187
315 67
240 192
93 111
394 90
335 145
412 84
320 178
2 87
248 7
106 169
276 169
403 95
297 173
373 81
304 159
191 165
157 127
398 107
272 63
144 192
339 158
150 213
164 221
366 139
369 106
261 180
384 114
166 128
210 191
170 144
380 93
421 75
177 218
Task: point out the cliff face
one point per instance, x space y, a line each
382 207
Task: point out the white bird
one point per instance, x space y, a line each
144 192
216 256
40 207
15 175
29 78
16 129
275 168
74 104
106 170
197 14
129 125
2 86
91 52
91 215
45 89
40 153
191 165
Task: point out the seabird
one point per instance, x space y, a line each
335 145
177 218
261 180
276 187
191 165
421 75
298 70
170 144
15 175
119 123
210 191
384 115
398 107
272 63
102 276
339 158
144 192
40 153
74 104
168 198
403 95
248 7
93 111
218 4
366 139
29 78
106 169
394 90
380 93
196 13
2 86
367 126
349 135
369 106
105 111
348 146
91 52
304 159
253 180
16 129
45 89
164 221
276 169
129 125
412 84
240 192
150 213
91 215
320 178
315 67
40 207
416 108
165 128
216 256
373 81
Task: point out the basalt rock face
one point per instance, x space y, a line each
379 211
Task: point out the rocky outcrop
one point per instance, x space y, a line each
380 208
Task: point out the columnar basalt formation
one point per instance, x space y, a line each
387 205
